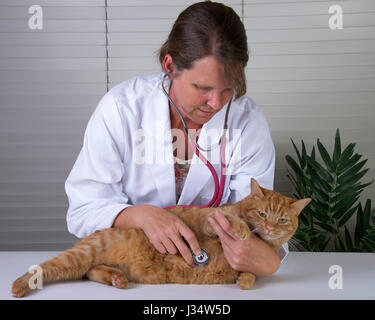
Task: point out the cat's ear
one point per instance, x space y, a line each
299 205
256 190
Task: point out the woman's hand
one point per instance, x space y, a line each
164 230
250 255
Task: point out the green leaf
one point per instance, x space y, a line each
367 214
293 181
325 156
323 185
337 148
341 244
342 196
323 173
312 156
320 195
348 240
352 179
370 239
346 154
293 164
319 206
297 152
341 213
369 245
327 227
316 214
362 186
344 205
358 233
303 219
353 170
349 185
347 216
304 154
349 163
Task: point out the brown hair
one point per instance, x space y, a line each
209 28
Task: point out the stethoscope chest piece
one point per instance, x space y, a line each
202 259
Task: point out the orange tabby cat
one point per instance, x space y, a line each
115 256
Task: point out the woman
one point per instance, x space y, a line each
126 172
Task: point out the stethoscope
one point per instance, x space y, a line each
219 185
203 258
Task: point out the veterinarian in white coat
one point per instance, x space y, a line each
124 175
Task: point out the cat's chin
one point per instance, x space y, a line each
269 238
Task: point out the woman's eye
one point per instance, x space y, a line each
283 220
200 88
262 214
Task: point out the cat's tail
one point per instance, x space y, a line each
70 264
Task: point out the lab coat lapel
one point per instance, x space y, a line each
199 175
156 125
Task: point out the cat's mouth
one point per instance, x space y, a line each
265 235
268 236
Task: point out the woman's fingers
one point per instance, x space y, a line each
169 245
167 233
191 239
159 246
184 250
183 247
225 225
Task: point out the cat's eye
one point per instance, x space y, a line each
283 220
262 214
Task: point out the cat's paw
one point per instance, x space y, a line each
240 227
245 281
20 287
119 281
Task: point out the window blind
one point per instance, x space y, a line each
50 82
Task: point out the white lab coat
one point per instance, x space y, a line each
127 156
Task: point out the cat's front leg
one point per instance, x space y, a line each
237 224
245 280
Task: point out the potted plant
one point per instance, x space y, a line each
334 184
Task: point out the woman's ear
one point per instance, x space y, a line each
168 65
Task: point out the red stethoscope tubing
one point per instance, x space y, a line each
219 185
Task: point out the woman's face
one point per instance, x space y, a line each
202 91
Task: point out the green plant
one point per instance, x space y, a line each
335 189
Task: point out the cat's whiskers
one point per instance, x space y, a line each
255 230
294 244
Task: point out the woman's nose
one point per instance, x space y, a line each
215 101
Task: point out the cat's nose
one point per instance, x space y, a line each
269 228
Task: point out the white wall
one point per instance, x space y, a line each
308 79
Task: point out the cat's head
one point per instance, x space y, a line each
273 216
